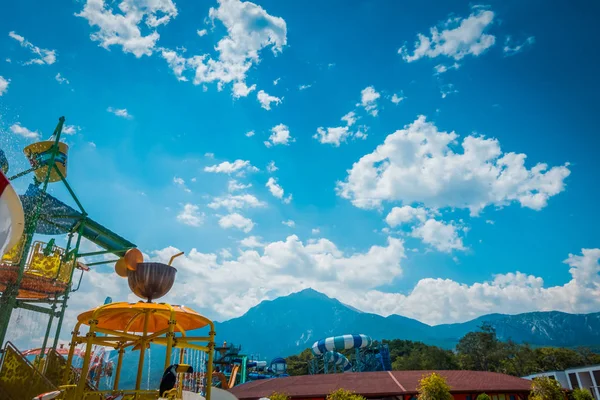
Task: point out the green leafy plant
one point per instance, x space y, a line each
483 396
343 394
279 396
546 388
433 387
582 394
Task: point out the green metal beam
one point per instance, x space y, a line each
101 262
33 307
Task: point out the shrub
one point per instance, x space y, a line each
545 388
483 396
343 394
278 396
433 387
582 394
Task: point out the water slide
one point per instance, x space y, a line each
338 360
343 342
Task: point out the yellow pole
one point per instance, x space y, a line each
170 334
67 372
138 380
86 359
209 368
119 365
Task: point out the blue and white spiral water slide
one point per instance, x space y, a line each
343 342
337 360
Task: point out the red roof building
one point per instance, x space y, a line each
400 385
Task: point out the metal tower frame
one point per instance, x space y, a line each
53 306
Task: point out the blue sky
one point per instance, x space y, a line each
157 93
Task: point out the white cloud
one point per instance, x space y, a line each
4 85
335 136
349 118
123 27
252 242
61 79
250 133
441 68
233 202
315 231
8 60
332 136
181 183
289 223
304 87
234 185
237 221
277 191
70 129
280 135
266 271
276 81
228 168
120 112
397 99
271 167
241 90
176 62
436 300
209 155
511 51
442 236
420 164
459 37
225 254
190 215
202 32
44 56
17 129
447 89
250 29
266 99
368 99
401 215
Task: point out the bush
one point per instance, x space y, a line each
433 387
483 396
582 394
545 388
278 396
343 394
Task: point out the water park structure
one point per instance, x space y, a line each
368 356
38 276
233 368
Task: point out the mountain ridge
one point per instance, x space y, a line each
289 324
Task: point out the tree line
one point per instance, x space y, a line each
479 351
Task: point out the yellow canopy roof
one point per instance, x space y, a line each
129 317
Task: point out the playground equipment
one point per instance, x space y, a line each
367 355
231 367
135 326
35 274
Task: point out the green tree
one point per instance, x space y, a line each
582 394
546 388
483 396
517 360
298 364
480 351
343 394
433 387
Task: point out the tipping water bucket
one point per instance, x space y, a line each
40 153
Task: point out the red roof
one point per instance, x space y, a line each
379 384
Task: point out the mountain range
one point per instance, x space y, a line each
287 325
